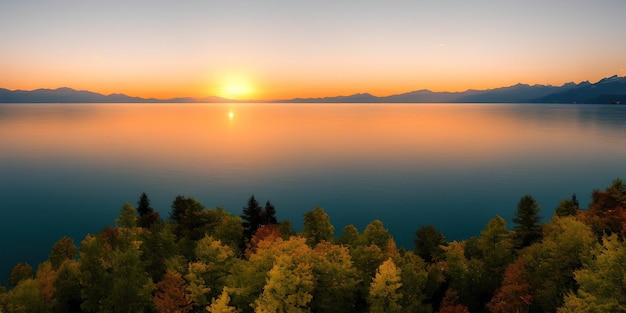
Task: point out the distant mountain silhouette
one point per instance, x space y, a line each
69 95
607 90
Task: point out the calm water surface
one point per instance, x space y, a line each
66 169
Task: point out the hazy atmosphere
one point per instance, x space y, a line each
284 49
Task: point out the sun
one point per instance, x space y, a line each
236 88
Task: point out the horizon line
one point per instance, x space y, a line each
303 98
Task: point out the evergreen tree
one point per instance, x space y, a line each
428 242
147 215
269 214
528 229
252 218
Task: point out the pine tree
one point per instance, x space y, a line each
252 218
428 242
269 214
527 218
147 215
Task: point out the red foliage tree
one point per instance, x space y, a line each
514 295
450 303
607 211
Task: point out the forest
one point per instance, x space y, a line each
207 260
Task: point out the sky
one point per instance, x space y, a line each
267 50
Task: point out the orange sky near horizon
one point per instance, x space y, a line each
282 50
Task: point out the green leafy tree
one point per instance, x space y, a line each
62 250
351 236
96 267
247 279
602 281
384 293
418 286
113 276
376 233
216 260
317 227
159 246
222 305
26 297
465 276
336 279
229 230
366 260
286 229
147 215
428 243
198 288
21 271
528 229
67 288
567 207
131 288
496 248
128 217
289 286
567 244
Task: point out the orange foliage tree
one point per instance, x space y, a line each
607 211
264 232
450 303
170 295
514 296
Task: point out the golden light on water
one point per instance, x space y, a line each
231 115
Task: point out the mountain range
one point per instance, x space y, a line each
607 90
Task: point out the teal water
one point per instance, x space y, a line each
66 169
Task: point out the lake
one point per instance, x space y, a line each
67 169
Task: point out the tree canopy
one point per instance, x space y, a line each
209 260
